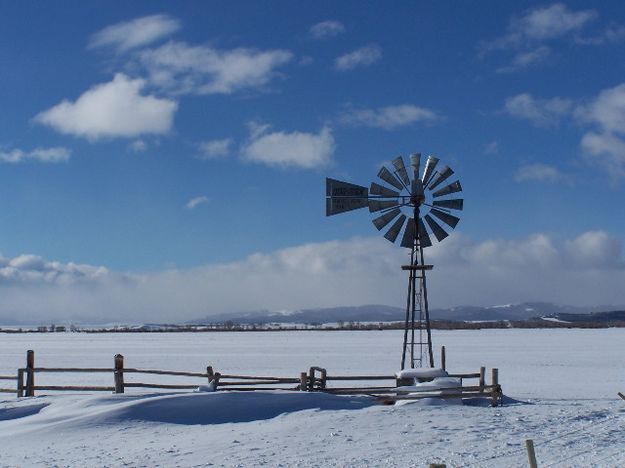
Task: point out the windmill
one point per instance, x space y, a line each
416 203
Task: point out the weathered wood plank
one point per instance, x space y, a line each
73 369
151 385
257 382
360 377
79 388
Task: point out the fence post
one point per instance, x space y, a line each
30 373
20 383
119 373
216 378
210 374
324 378
303 384
311 379
531 454
443 363
482 378
495 383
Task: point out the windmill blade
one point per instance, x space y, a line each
393 232
415 161
377 189
443 174
338 188
429 169
386 218
449 220
378 205
438 231
337 205
424 237
398 162
388 177
451 188
453 204
408 239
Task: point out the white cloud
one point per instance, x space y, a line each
612 34
586 270
528 33
113 109
326 29
138 146
540 24
43 155
608 150
525 59
180 68
539 172
491 147
541 112
364 56
138 32
389 117
27 270
197 201
215 148
295 149
606 144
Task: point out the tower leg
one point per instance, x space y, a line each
417 310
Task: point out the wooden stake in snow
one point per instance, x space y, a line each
443 363
494 383
119 373
30 373
531 455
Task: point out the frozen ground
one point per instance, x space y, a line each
565 382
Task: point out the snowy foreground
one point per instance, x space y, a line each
561 388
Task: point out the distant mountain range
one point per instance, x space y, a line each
382 313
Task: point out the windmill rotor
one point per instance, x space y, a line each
422 204
404 188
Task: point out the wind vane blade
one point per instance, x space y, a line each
430 164
387 176
453 204
383 220
451 188
393 232
398 162
377 189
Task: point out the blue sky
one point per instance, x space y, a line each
146 143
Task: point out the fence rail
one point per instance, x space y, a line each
316 379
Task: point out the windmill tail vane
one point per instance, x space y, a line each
409 199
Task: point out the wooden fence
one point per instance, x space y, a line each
315 379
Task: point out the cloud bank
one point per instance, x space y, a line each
586 270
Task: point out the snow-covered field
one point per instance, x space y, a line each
565 384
